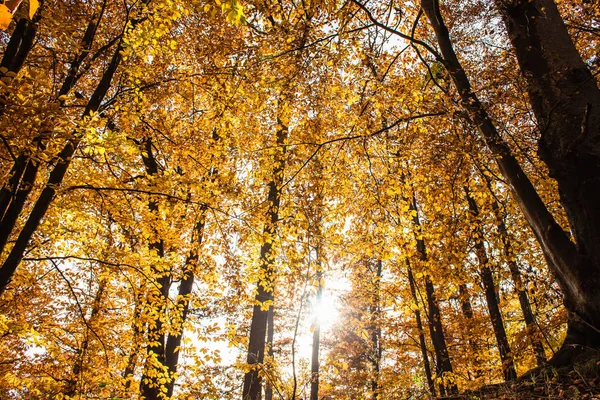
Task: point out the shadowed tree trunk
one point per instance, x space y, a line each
443 362
422 343
252 389
566 101
487 279
375 329
530 320
158 294
59 171
269 344
14 194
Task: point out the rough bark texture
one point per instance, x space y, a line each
252 389
566 102
487 279
269 345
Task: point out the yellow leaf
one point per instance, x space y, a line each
5 17
33 6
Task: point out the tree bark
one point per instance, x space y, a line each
443 361
487 279
14 194
565 99
375 330
269 344
157 296
58 173
252 389
573 268
530 320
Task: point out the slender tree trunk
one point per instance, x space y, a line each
565 99
375 330
465 301
252 389
576 269
530 320
174 339
487 279
14 194
157 296
314 363
58 173
269 344
422 343
20 43
138 330
77 369
467 310
443 362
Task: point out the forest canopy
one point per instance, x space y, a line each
296 199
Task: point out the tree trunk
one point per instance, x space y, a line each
565 99
58 173
422 343
375 328
14 194
157 297
530 320
258 327
174 339
443 362
269 344
573 268
487 279
314 363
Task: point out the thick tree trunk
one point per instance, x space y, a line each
575 269
566 102
422 343
487 279
252 389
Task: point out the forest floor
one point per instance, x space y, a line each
579 381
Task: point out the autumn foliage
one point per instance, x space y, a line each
217 199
